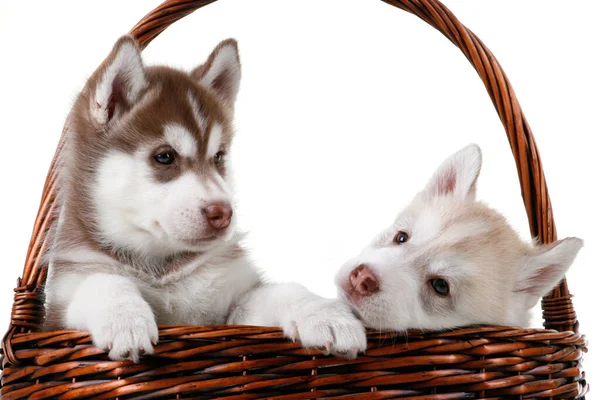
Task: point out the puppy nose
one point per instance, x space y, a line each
218 215
364 281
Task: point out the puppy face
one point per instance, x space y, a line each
157 152
449 261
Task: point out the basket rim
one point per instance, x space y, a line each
492 359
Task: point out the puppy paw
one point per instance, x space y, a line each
328 325
127 332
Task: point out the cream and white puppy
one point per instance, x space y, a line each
448 260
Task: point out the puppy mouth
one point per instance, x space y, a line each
200 241
354 299
366 319
350 296
348 299
190 241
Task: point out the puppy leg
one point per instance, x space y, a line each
112 309
327 324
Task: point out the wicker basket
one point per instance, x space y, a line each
237 362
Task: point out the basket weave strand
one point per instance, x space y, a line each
237 362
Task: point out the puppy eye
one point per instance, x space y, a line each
401 237
440 286
165 157
219 157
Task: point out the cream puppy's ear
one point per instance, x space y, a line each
120 81
541 271
221 73
456 176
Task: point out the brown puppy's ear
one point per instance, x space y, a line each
221 73
119 83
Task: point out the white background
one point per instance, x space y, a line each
346 108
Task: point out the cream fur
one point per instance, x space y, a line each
494 277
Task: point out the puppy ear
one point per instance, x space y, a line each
119 82
541 271
221 73
457 176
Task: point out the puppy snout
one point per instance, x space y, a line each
363 281
218 215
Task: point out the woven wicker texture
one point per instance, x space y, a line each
240 363
257 362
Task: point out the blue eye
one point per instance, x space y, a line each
440 286
401 237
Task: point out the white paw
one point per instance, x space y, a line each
127 332
328 325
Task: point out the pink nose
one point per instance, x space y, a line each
363 281
218 215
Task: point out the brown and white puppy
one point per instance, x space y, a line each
448 260
146 231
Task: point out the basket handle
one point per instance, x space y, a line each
557 306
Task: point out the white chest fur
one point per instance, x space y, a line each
203 297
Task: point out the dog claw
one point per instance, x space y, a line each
295 334
327 349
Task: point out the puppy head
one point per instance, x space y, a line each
448 260
151 152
